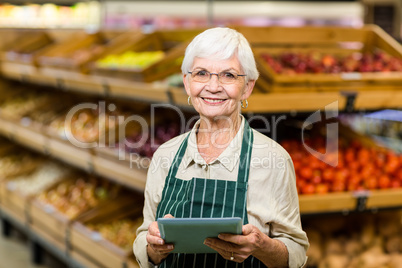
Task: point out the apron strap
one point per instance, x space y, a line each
245 154
178 158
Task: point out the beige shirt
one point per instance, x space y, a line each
272 200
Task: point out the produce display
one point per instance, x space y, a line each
75 196
85 54
17 162
130 60
77 49
18 106
121 232
86 125
359 167
357 241
155 137
45 175
337 242
316 62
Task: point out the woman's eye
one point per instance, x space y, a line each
228 75
202 73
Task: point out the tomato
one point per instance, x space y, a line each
338 186
297 156
392 165
317 179
384 182
313 162
380 160
328 174
396 184
355 178
367 170
350 155
363 156
341 175
322 188
300 183
353 165
308 188
370 182
399 174
352 186
306 172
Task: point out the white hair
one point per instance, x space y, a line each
221 43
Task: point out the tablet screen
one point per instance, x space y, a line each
188 234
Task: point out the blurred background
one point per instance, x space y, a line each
90 89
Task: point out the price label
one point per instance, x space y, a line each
11 186
95 236
25 121
49 208
351 76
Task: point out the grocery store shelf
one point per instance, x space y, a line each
116 170
39 237
134 177
89 84
286 101
346 202
334 202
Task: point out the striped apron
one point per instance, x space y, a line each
207 198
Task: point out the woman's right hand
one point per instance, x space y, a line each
157 249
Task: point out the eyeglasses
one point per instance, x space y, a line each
223 77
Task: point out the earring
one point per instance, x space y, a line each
189 100
242 104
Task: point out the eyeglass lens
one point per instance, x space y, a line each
223 77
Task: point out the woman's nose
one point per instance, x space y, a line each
214 82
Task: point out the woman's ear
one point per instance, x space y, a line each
186 84
248 89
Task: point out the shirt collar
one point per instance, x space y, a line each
228 158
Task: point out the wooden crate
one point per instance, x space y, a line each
8 196
46 219
173 43
71 53
27 47
14 201
337 41
91 248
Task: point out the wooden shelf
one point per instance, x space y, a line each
89 84
300 100
134 176
334 202
119 171
384 198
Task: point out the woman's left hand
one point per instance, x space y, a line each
238 247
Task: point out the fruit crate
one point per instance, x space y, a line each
13 200
73 52
27 46
165 53
75 196
366 176
318 50
91 248
8 36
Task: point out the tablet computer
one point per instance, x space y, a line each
188 234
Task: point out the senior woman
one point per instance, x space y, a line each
223 168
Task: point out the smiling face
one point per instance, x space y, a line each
213 99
